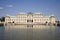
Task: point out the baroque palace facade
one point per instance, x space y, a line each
30 18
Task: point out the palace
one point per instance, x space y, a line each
30 18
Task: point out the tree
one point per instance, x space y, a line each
2 19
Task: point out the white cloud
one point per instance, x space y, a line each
9 5
1 8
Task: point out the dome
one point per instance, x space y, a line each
52 15
7 15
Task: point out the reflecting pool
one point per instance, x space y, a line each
29 32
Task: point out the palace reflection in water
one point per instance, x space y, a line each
31 32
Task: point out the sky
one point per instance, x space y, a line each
46 7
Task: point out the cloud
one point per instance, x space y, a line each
9 5
1 8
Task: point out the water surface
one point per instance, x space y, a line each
29 32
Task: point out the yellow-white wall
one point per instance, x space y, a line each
37 18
